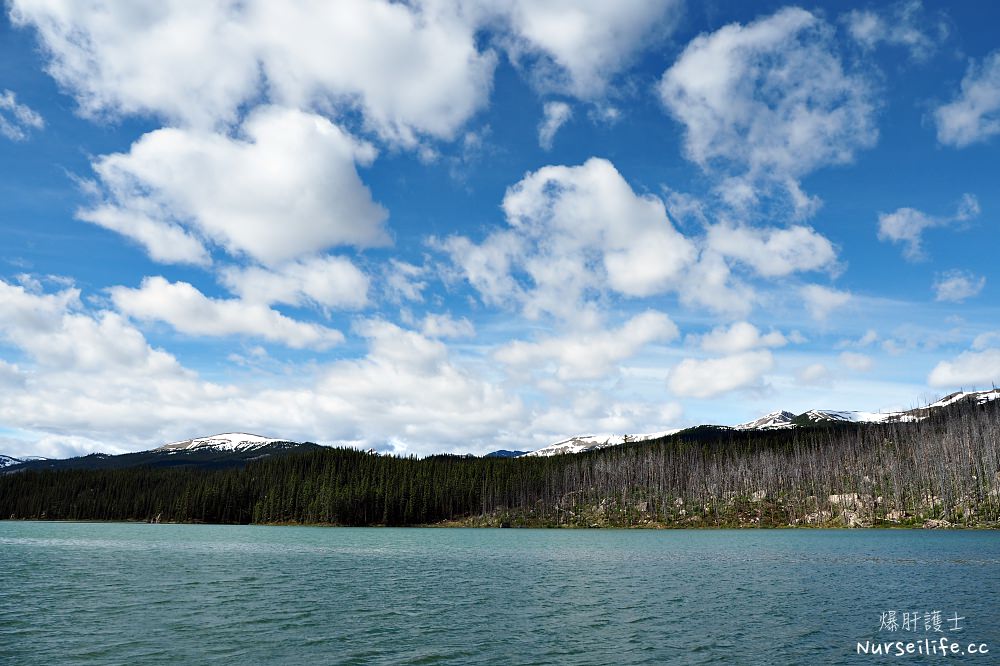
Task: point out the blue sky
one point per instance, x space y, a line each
462 226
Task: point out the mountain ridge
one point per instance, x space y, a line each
776 420
237 448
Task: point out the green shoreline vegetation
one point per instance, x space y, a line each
943 471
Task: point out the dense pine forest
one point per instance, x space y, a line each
944 470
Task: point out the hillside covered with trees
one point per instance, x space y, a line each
944 470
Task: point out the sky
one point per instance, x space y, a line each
440 226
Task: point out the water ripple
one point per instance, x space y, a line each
117 594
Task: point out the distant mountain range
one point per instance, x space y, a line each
214 452
237 449
775 420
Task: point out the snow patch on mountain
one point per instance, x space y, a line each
230 441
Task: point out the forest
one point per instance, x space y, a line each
939 472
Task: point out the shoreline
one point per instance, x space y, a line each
466 524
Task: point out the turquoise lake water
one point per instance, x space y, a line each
86 593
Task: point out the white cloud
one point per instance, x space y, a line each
576 47
189 311
812 375
710 283
140 220
588 355
902 24
974 115
969 369
57 446
446 326
90 381
86 375
986 340
957 286
49 328
325 282
855 361
869 338
288 188
556 114
774 252
741 336
410 69
403 281
593 413
712 377
408 391
575 231
17 120
115 57
821 301
906 225
769 101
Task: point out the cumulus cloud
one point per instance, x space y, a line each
577 47
822 301
574 231
85 375
903 24
710 283
769 102
969 369
408 391
556 115
740 337
90 381
905 226
288 187
774 252
957 286
708 378
974 115
409 69
588 355
324 282
189 311
577 234
53 331
17 120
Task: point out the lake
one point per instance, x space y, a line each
92 593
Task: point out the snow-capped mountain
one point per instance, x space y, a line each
7 461
583 443
821 415
979 397
778 420
229 441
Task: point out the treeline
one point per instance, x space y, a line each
938 471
